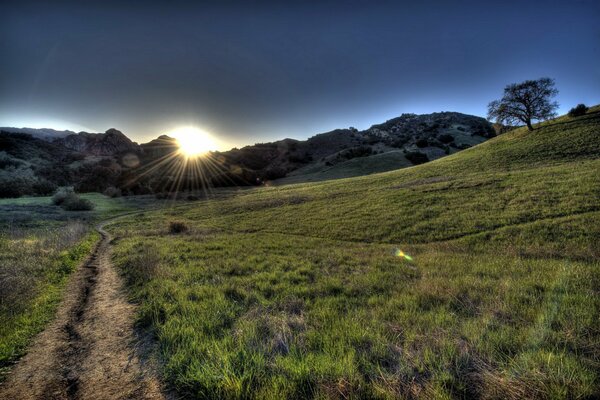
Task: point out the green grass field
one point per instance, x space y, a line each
354 167
297 291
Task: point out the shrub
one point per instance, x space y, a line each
398 142
446 138
360 151
44 187
416 157
178 227
578 110
75 203
6 160
61 195
112 191
17 181
422 143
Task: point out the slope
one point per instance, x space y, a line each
303 291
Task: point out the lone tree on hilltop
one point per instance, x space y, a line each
524 102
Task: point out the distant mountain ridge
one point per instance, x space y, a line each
36 161
43 133
419 138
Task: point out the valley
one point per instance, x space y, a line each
298 290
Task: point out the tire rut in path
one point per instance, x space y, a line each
90 350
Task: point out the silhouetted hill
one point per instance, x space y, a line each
410 139
37 161
110 143
44 133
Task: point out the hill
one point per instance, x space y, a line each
30 165
37 161
420 138
46 134
472 276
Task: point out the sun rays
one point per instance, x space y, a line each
183 162
193 142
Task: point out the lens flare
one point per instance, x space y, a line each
401 254
193 142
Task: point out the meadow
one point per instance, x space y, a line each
302 291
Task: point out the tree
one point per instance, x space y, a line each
524 102
578 111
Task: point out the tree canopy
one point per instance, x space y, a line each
524 102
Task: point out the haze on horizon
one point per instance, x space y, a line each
251 73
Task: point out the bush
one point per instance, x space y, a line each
44 187
178 227
422 143
578 111
446 138
70 201
416 157
61 195
360 151
75 203
112 191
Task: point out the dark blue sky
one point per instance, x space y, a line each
250 72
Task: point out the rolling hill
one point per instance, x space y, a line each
471 276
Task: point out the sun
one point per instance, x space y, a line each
193 142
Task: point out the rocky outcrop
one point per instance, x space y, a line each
110 143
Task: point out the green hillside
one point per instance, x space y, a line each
355 167
298 291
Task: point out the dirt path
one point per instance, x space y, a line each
90 351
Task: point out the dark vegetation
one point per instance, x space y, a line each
578 110
178 227
416 157
70 201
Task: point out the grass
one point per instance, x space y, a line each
354 167
34 267
296 292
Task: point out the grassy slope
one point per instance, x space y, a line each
354 167
295 291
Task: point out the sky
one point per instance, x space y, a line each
250 72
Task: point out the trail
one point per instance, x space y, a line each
90 350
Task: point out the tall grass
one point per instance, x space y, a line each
34 264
